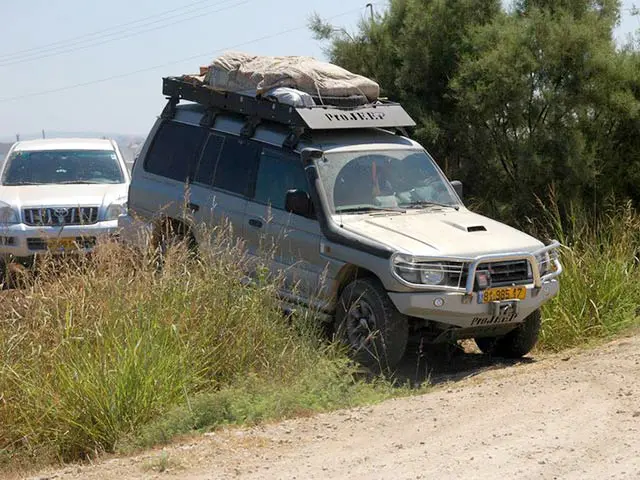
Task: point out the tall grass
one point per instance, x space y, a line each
107 350
600 287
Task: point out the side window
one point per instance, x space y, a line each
236 165
277 174
209 159
175 151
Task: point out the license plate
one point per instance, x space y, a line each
501 294
60 244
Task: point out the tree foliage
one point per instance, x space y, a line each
513 102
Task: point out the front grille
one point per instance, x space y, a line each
58 216
36 244
507 273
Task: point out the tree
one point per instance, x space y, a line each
544 92
510 102
413 51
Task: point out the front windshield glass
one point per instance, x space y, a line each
62 167
371 180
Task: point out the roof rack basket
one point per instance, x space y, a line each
322 117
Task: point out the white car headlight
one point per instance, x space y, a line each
117 208
8 215
419 273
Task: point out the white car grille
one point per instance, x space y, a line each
58 216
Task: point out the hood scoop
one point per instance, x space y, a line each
466 228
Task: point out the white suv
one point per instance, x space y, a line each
59 195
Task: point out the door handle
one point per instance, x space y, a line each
254 222
193 207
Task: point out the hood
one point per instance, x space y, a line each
440 233
31 196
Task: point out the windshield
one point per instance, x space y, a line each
62 167
387 179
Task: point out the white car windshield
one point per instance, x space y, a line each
46 167
361 181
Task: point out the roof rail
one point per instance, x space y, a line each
321 117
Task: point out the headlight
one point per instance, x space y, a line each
419 273
117 208
8 215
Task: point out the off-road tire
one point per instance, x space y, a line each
3 275
382 348
515 344
170 234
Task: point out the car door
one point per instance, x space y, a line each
222 182
290 243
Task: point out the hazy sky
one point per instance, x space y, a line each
140 34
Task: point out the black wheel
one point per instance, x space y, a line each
369 324
168 235
515 344
3 275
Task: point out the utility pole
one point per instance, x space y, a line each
43 133
370 7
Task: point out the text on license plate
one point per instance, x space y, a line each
502 294
62 244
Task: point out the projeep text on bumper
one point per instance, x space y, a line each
460 306
22 240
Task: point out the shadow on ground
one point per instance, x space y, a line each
439 364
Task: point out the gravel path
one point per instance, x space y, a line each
569 416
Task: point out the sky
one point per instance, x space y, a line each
47 46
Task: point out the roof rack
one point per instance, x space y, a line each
321 117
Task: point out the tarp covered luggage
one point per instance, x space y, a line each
259 75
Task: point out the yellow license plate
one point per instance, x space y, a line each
62 244
503 294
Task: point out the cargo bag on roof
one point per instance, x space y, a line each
257 75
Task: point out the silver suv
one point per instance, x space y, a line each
367 228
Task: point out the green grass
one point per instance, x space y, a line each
600 286
109 354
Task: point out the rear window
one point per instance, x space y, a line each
236 166
175 151
209 159
46 167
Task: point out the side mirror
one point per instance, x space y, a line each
298 202
457 186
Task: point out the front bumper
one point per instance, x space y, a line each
20 240
461 307
461 310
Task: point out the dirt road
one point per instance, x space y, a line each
570 416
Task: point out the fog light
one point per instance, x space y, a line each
438 302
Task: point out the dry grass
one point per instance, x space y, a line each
106 353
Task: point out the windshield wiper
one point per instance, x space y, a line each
370 208
425 203
79 182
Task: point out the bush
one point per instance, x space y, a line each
600 286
